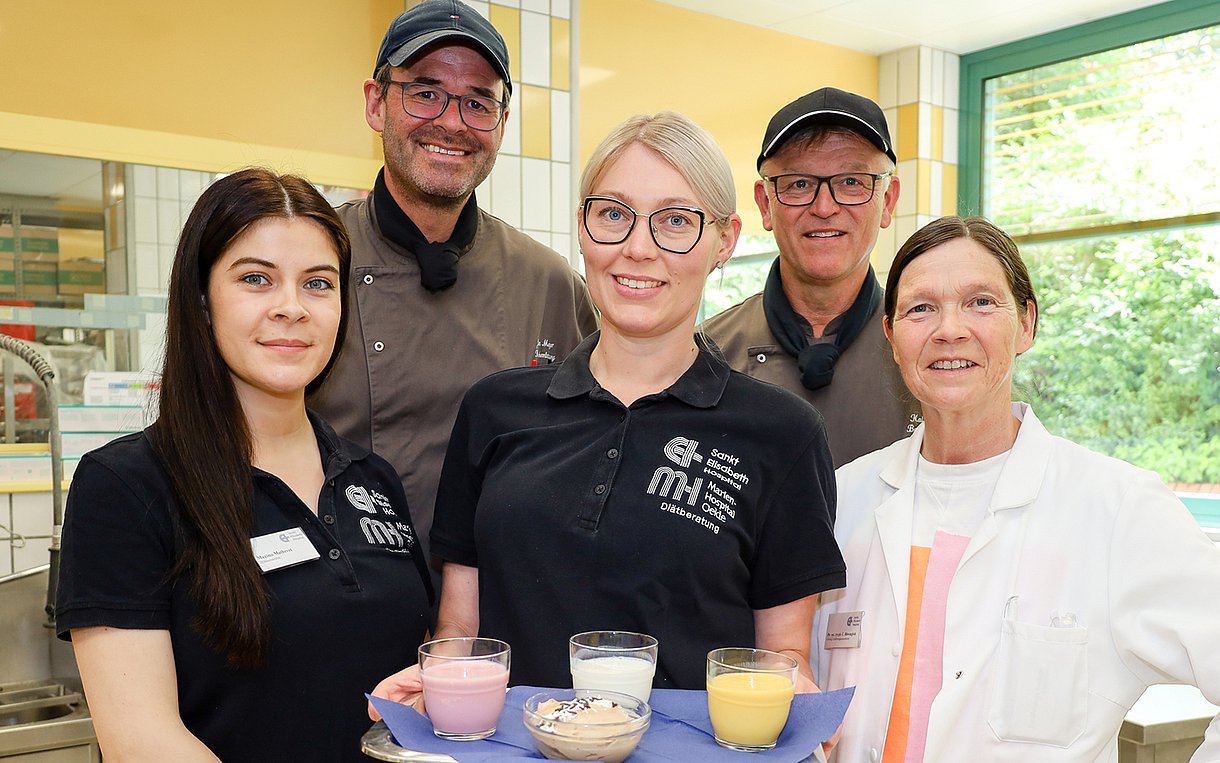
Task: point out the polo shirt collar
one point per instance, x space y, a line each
700 387
337 453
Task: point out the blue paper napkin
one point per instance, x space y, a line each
680 729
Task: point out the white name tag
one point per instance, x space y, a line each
843 630
281 549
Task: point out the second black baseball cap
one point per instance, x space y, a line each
830 106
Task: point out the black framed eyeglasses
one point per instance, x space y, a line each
674 229
424 101
848 189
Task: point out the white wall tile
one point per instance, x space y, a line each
561 8
887 89
952 83
925 72
883 252
936 202
165 263
924 148
904 226
535 49
891 119
506 190
190 185
538 6
563 202
561 126
536 194
564 244
147 274
483 193
167 183
512 128
509 3
31 514
906 193
908 76
937 80
541 236
145 212
144 181
169 219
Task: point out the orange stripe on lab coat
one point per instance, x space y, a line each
898 731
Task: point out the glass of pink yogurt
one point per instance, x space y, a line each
465 680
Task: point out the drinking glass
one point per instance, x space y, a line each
465 680
618 661
749 693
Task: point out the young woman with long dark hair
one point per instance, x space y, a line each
235 576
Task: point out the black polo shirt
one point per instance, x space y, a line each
677 516
340 623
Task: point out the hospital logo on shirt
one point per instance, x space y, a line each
380 529
703 489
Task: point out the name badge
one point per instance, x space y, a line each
843 630
283 548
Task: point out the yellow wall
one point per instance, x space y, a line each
644 56
201 85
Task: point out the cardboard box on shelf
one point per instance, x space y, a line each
82 277
39 261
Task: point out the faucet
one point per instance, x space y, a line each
46 374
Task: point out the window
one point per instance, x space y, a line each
1094 148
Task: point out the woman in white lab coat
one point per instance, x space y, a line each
1010 593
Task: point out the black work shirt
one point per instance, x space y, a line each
676 516
340 623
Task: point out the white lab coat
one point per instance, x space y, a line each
1068 532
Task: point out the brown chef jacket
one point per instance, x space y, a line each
865 407
410 354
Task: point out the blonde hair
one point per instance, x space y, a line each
686 146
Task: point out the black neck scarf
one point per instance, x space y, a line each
437 261
817 361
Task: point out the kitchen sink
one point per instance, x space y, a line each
48 715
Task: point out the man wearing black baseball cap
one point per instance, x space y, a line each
442 292
827 188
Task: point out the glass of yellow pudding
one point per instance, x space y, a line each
749 692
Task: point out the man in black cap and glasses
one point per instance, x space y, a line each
442 292
827 188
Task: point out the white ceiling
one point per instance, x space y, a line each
71 182
880 26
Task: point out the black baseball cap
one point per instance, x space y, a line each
434 21
828 106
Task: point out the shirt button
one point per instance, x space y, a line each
761 357
334 553
328 519
896 650
599 489
873 755
368 279
378 346
612 453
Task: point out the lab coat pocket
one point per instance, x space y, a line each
1041 684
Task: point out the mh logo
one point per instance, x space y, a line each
683 451
670 484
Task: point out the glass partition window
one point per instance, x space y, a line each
1103 167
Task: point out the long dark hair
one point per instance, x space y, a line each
201 434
